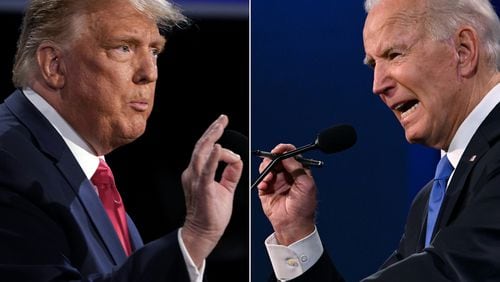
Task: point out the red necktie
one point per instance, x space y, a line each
105 182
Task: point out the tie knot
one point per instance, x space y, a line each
103 175
444 169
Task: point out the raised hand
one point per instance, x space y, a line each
288 197
209 203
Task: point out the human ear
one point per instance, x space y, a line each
51 64
467 48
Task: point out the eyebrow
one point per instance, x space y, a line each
400 18
368 61
161 42
134 40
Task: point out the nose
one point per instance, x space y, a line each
146 68
382 81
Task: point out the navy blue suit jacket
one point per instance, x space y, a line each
52 224
466 240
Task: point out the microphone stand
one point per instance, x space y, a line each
282 157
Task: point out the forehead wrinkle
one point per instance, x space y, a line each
99 26
403 20
403 14
399 23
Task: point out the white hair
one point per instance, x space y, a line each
443 17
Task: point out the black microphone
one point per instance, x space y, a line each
332 140
235 141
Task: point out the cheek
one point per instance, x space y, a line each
439 70
120 74
109 88
91 84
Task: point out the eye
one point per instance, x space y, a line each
155 52
393 55
369 62
124 48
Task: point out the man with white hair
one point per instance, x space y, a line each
436 67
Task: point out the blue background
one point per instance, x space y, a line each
307 75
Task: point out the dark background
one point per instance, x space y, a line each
307 75
202 74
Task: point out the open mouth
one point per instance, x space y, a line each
407 108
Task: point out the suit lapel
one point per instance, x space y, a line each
423 223
462 172
487 133
135 237
52 144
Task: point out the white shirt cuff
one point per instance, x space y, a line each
292 261
195 274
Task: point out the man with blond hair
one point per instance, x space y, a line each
86 74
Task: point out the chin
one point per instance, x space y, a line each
123 140
135 127
413 137
135 134
130 134
420 140
416 132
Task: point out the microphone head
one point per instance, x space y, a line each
336 138
235 141
239 144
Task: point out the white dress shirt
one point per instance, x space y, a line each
470 125
288 261
89 162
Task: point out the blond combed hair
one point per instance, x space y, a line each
52 20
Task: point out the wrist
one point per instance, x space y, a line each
198 244
293 233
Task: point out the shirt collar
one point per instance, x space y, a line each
470 125
84 155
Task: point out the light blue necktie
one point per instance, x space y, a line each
443 172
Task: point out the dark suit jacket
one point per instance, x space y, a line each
466 242
52 224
